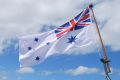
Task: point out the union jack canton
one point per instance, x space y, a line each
80 21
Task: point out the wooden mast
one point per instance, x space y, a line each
104 60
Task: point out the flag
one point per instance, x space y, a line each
34 49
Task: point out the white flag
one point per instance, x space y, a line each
34 49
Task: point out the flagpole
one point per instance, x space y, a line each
104 60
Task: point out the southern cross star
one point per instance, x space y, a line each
29 48
37 58
48 43
36 39
72 39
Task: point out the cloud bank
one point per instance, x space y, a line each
25 70
82 70
18 18
73 72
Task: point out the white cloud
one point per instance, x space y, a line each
74 72
81 70
115 71
25 70
107 14
3 75
46 73
2 46
21 17
3 78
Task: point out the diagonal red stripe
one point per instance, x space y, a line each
85 17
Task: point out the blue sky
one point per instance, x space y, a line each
54 67
19 18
